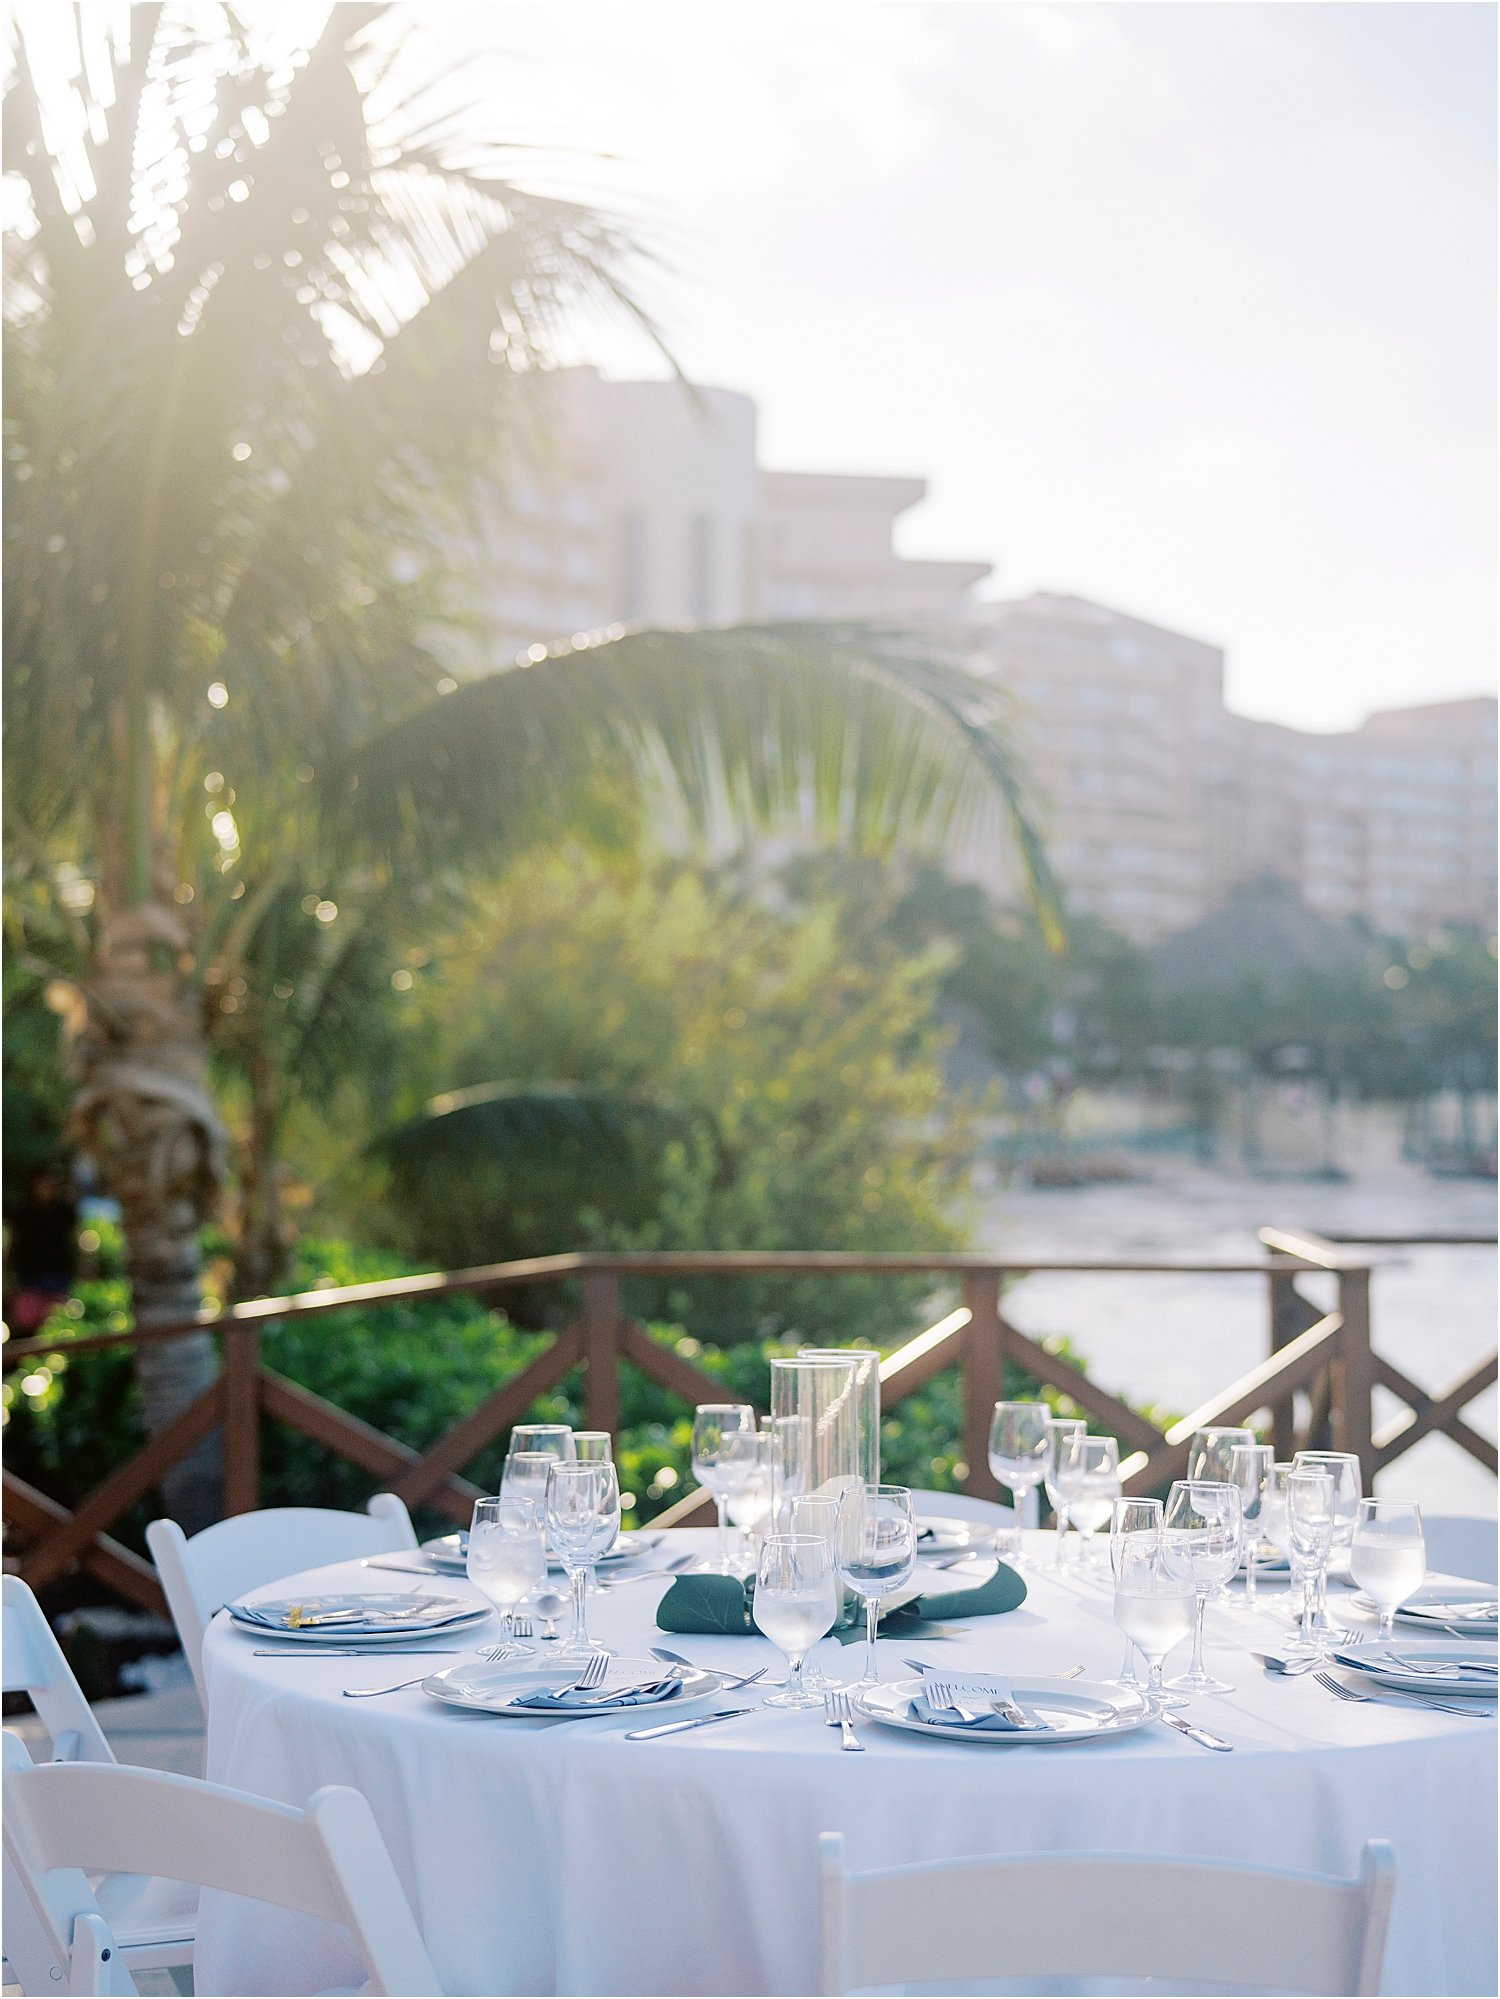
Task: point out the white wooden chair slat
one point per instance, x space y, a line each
249 1550
1102 1915
329 1861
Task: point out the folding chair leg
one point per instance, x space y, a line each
95 1967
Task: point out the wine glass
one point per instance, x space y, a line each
555 1438
1200 1543
713 1423
1250 1475
506 1559
1154 1609
583 1521
816 1515
1309 1499
875 1554
593 1447
1134 1533
1018 1458
796 1601
1348 1488
1088 1476
523 1477
1211 1451
1059 1427
748 1465
1388 1558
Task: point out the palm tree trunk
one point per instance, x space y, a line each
145 1110
261 1253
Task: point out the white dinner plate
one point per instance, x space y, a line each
1384 1663
1077 1711
448 1551
939 1534
493 1689
1448 1602
449 1613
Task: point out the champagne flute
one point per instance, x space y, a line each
1388 1558
748 1464
1154 1609
506 1559
713 1423
1200 1544
796 1602
876 1552
1309 1537
1059 1427
1018 1458
1250 1474
1134 1534
1343 1468
583 1522
1088 1475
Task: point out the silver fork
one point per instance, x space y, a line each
493 1654
1333 1686
838 1713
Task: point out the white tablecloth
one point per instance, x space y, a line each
545 1856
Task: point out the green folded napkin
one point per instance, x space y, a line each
707 1604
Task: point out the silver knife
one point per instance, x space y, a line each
1194 1734
695 1721
356 1652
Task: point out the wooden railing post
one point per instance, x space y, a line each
241 1405
1355 1373
1284 1300
983 1376
602 1325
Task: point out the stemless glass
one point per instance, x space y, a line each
506 1559
1018 1458
796 1601
1309 1499
555 1438
875 1554
583 1521
593 1447
1348 1488
1200 1544
1154 1609
748 1463
523 1477
1211 1451
1388 1558
1088 1476
1250 1475
1134 1535
1059 1427
713 1424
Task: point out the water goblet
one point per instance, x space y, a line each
816 1514
1200 1544
1154 1609
1309 1501
1212 1448
554 1438
1250 1475
506 1559
796 1602
1343 1468
1059 1427
1388 1558
1088 1476
875 1553
593 1447
1134 1534
583 1522
713 1424
1018 1458
523 1476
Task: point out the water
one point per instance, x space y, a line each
1089 1514
1389 1567
1178 1340
1154 1620
794 1620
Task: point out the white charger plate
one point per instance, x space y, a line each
464 1612
1380 1667
1078 1711
448 1551
493 1689
1448 1602
941 1534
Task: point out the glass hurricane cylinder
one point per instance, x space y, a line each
866 1403
815 1418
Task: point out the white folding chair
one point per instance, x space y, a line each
1104 1915
1460 1544
66 1820
153 1921
251 1549
960 1506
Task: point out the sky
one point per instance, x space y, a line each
1186 308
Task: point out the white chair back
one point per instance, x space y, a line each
1104 1915
961 1506
35 1666
250 1550
63 1821
1460 1544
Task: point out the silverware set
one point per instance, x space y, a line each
970 1706
1474 1709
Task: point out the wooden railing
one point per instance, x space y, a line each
1324 1356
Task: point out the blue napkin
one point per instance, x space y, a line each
944 1717
545 1701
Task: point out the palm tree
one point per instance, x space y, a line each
270 311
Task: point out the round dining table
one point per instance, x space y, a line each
547 1855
